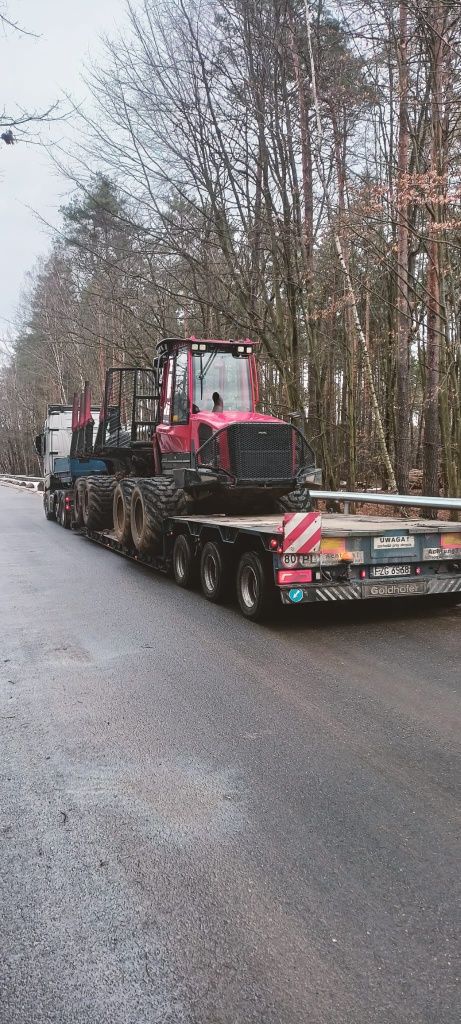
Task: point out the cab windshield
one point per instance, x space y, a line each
221 382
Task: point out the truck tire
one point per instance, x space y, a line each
122 510
62 514
79 492
50 514
98 500
185 567
214 572
298 500
256 590
154 500
64 517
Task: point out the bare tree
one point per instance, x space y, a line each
16 124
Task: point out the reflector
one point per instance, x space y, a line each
286 577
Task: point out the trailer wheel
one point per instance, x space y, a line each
98 499
122 510
79 492
214 573
154 500
185 568
256 591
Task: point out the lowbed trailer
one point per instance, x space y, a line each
302 558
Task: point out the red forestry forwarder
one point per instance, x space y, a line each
183 437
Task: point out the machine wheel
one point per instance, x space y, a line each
98 499
122 510
256 591
154 500
79 493
296 501
214 573
185 569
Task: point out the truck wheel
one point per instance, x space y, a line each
64 514
60 510
298 500
64 518
122 510
256 591
50 514
79 493
214 575
154 500
98 500
184 562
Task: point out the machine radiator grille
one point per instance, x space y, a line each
260 453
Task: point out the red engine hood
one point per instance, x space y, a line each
217 420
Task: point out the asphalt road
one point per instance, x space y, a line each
204 821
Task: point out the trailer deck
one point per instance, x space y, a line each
333 524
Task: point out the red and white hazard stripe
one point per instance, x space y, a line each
301 532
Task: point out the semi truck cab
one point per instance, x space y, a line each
59 469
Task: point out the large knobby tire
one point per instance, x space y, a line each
122 510
298 500
79 492
256 591
98 499
185 563
154 500
214 572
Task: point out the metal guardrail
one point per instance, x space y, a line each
383 498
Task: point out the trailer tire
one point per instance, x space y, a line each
122 510
214 572
98 500
298 500
154 500
185 567
256 591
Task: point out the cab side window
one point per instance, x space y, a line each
167 390
181 388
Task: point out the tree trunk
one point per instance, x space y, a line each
402 389
431 439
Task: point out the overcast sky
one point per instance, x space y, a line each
34 73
